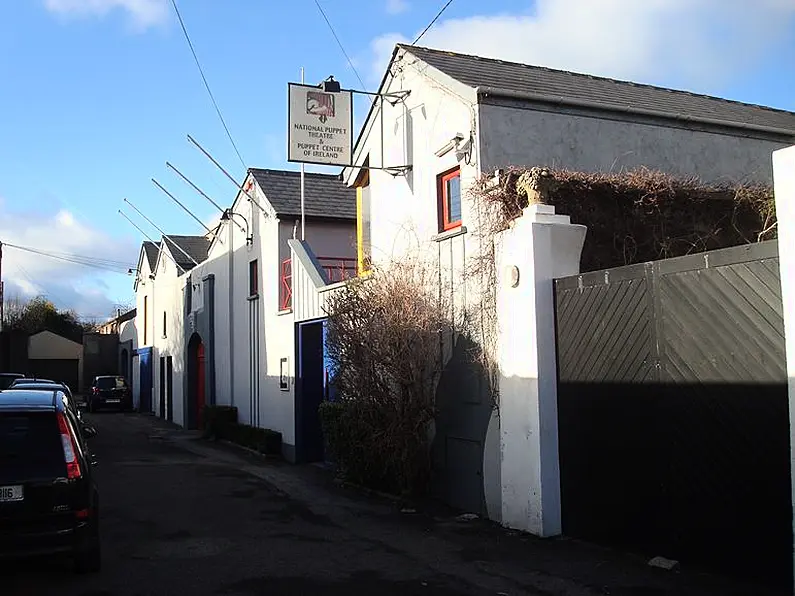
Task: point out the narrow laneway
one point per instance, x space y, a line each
174 522
180 516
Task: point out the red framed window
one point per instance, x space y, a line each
449 191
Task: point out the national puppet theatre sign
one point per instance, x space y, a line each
320 125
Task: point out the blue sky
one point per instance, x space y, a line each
95 95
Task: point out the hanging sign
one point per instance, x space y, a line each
320 125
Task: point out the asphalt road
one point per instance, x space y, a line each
182 517
174 522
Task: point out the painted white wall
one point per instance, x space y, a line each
404 208
539 247
144 288
784 172
129 332
168 288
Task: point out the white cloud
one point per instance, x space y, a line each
68 285
699 43
397 6
144 13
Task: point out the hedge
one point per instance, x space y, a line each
220 423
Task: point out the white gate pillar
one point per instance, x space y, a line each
539 247
784 179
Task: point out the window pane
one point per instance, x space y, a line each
453 196
253 281
30 446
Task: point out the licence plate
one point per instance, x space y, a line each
9 494
113 401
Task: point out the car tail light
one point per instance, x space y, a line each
69 448
82 513
95 390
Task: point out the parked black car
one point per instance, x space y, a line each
109 391
6 379
26 380
49 503
48 386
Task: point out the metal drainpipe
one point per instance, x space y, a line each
231 320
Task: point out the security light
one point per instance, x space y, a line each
450 145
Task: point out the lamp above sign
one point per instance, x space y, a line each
320 121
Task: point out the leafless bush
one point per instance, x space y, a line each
384 339
635 216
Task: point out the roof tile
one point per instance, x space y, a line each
475 71
325 195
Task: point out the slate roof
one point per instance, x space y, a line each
195 246
325 195
151 250
475 71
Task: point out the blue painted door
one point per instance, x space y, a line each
145 362
329 392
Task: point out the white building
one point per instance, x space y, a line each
223 331
453 118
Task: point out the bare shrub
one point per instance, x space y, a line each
635 216
384 339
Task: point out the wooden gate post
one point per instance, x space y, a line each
539 247
784 180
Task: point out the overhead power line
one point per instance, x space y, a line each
339 43
86 261
436 18
206 84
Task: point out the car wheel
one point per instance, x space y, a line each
89 560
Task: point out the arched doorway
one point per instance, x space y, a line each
196 382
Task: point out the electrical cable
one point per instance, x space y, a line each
339 43
206 84
93 262
436 18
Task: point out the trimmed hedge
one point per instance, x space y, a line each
215 418
220 423
262 440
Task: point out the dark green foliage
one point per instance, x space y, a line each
220 423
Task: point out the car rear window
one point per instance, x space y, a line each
30 446
6 381
111 383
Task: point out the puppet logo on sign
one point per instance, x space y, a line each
320 105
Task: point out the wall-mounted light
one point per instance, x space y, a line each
450 145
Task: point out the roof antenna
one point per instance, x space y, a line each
227 174
159 248
206 196
185 209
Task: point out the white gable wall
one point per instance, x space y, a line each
169 286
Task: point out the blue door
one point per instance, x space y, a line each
145 363
329 391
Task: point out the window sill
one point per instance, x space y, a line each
252 297
285 311
446 235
